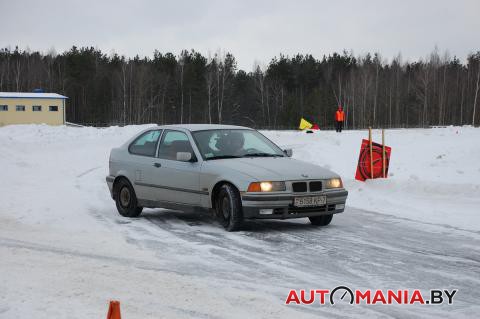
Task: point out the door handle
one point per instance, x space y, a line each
157 165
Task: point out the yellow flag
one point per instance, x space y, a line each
305 124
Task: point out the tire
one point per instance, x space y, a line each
229 207
321 220
126 200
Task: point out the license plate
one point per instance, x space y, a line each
307 201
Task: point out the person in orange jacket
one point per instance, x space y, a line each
339 119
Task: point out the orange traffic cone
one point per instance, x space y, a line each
114 310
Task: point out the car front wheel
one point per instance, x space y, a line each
321 220
229 207
126 200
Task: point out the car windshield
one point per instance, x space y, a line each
235 143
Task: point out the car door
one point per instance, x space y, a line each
142 156
176 181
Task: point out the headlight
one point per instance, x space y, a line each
334 183
266 187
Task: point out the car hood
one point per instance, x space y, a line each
275 168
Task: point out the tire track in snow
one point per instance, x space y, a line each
359 248
88 171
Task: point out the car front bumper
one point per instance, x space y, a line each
280 206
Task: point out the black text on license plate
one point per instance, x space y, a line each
310 201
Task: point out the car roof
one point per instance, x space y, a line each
203 127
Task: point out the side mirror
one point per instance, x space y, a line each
184 156
288 152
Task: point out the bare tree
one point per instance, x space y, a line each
476 93
17 72
259 77
209 80
219 74
377 62
423 91
225 68
123 81
181 63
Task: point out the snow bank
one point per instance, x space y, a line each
434 173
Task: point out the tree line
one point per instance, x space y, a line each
193 88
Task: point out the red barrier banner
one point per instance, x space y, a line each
363 167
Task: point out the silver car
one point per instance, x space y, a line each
232 171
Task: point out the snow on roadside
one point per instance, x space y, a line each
434 173
52 175
53 182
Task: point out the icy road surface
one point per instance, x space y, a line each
198 270
64 251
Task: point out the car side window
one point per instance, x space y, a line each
145 144
172 143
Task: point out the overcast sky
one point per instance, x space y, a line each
251 30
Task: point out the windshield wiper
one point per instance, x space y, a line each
222 157
262 155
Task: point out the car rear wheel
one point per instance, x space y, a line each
321 220
229 207
126 200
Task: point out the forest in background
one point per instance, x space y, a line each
192 88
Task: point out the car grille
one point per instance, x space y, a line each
299 187
315 186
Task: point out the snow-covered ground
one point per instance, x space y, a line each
434 173
64 250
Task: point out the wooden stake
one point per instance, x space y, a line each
383 153
371 151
